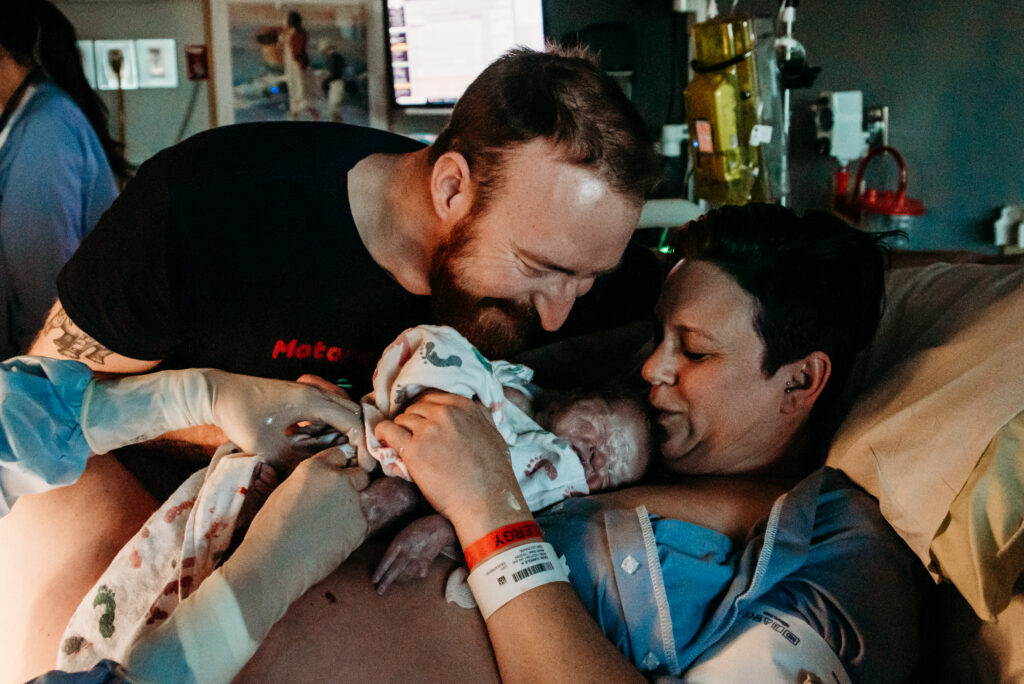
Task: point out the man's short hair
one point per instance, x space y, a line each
818 283
560 95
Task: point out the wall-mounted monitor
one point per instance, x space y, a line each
437 47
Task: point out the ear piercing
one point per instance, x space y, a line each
789 386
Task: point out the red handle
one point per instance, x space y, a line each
858 187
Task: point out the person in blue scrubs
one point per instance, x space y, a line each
59 167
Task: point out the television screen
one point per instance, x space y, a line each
437 47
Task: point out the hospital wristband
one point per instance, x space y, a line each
498 539
513 572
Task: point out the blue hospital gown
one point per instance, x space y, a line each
666 591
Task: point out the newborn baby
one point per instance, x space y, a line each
609 431
549 467
560 444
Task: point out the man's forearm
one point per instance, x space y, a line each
200 435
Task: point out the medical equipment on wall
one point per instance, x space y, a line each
875 210
846 130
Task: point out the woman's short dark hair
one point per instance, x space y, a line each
560 95
818 283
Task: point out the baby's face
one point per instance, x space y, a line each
611 439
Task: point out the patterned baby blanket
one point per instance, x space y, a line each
438 357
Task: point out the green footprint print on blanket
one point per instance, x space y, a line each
429 354
105 597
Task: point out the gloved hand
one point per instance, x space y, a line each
306 528
255 413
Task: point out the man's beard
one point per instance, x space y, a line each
471 315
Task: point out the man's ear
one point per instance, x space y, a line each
451 189
804 381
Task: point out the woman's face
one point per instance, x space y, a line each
717 412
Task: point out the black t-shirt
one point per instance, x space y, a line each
236 249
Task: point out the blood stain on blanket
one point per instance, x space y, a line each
175 511
73 645
105 597
215 529
185 586
134 559
155 613
145 532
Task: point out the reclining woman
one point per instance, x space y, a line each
760 321
759 325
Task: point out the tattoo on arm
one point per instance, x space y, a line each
72 342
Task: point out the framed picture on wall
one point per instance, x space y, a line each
115 64
305 60
158 65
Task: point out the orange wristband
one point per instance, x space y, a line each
499 538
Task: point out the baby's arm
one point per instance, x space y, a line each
520 399
386 500
412 551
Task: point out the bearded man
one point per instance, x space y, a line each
283 249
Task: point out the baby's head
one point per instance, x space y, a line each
608 429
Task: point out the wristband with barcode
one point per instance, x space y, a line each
495 540
515 571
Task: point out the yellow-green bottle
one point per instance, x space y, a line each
721 110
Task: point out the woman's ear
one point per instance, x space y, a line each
805 379
451 190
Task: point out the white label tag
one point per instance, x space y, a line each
761 133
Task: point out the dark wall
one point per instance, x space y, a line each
952 75
651 23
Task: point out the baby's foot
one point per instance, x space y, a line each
413 550
541 464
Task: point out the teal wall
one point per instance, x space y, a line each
952 74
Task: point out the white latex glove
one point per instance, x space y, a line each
255 413
306 528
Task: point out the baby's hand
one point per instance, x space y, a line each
413 550
264 481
